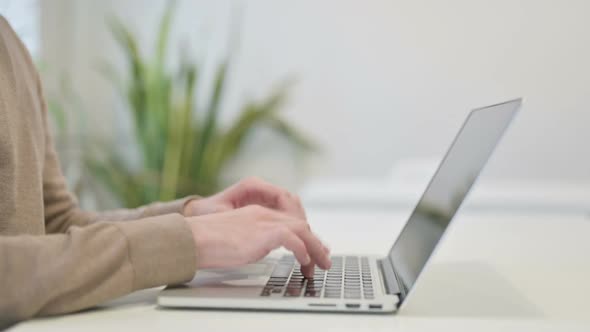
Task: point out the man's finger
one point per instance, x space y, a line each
276 198
287 204
308 270
314 246
293 243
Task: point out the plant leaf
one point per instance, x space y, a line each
289 132
210 118
164 32
136 92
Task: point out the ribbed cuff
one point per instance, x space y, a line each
161 250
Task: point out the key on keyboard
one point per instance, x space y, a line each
349 277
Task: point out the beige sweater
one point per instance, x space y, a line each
54 257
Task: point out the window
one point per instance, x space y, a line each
24 17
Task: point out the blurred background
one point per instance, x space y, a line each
154 99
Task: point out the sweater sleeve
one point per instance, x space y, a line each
59 273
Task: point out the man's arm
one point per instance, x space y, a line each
78 267
51 274
59 273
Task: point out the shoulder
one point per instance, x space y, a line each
15 59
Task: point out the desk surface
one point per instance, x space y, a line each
492 272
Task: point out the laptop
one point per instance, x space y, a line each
375 284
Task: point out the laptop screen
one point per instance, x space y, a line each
442 198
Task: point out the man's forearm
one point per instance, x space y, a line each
60 273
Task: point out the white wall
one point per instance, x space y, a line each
377 80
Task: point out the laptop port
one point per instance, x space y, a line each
353 305
375 306
322 305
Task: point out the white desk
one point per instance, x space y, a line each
488 195
493 272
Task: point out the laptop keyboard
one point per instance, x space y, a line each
349 278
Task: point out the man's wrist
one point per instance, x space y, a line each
198 235
190 209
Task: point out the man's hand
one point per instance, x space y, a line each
250 191
246 235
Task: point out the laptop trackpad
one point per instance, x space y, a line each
250 275
247 281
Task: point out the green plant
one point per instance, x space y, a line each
183 147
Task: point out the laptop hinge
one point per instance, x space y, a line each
389 277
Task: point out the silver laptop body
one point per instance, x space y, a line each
376 284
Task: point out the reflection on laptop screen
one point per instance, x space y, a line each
456 174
